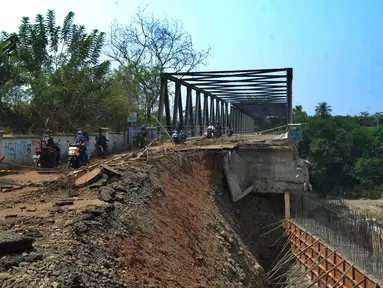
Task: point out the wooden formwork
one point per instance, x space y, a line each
323 265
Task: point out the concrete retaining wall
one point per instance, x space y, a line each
20 149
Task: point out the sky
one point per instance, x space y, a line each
334 47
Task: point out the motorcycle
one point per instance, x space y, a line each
43 157
77 155
99 150
209 132
217 133
179 137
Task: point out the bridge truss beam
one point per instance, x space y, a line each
231 97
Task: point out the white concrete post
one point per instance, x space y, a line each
235 120
240 121
245 120
287 205
244 123
237 113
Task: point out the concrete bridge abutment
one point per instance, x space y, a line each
262 168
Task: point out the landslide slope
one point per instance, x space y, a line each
160 226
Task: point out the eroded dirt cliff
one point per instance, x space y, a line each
161 224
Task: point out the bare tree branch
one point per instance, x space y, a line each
146 43
151 42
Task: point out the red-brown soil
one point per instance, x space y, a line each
185 243
163 227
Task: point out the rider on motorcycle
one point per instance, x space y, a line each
178 134
143 130
81 139
179 127
101 140
218 128
47 142
210 127
210 130
142 136
229 130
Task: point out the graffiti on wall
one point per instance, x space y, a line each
17 148
35 142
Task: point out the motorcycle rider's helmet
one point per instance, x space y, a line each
143 126
99 130
48 132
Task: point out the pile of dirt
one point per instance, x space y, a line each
158 225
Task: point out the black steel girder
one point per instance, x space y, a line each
262 92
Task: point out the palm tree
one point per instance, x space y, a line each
323 110
299 109
8 45
298 114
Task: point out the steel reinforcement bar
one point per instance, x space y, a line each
323 265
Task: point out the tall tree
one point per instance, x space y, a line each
298 109
8 45
14 110
152 46
299 115
63 70
123 98
323 110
